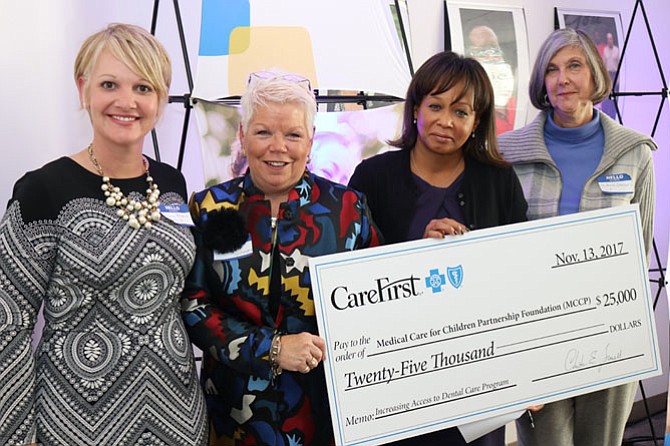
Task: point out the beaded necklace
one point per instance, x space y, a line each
136 213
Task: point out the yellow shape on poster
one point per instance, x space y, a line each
260 48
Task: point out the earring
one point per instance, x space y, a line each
414 122
244 153
546 99
473 135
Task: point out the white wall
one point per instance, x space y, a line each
40 119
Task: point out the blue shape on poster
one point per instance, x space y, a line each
219 18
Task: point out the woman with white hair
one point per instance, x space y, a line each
248 302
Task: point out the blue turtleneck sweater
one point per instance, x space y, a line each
577 152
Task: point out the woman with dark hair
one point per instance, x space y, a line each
572 158
448 177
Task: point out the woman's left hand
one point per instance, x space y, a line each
301 352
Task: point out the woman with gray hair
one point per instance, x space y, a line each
572 158
248 302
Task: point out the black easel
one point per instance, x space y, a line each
185 98
663 93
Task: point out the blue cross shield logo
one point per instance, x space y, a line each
435 281
455 275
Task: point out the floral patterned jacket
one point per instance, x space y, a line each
227 306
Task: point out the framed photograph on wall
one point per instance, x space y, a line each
403 17
497 37
606 30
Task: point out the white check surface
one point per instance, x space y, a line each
430 334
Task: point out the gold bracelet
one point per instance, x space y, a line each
275 348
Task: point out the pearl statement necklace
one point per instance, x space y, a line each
137 213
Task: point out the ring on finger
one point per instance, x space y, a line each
307 370
314 362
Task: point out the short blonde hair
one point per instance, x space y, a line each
278 87
136 48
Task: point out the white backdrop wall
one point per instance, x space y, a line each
40 118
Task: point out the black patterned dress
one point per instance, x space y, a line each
114 365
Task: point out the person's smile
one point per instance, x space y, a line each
122 105
277 143
124 119
276 165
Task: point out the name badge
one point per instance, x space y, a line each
616 183
177 213
244 251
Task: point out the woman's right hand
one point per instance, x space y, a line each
438 228
301 352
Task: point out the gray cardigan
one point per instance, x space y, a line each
625 151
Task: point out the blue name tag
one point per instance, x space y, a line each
178 213
616 183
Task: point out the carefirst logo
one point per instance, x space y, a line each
436 281
383 291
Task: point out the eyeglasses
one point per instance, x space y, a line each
270 76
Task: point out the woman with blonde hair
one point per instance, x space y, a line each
86 237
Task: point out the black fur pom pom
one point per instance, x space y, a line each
224 230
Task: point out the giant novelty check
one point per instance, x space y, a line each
430 334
